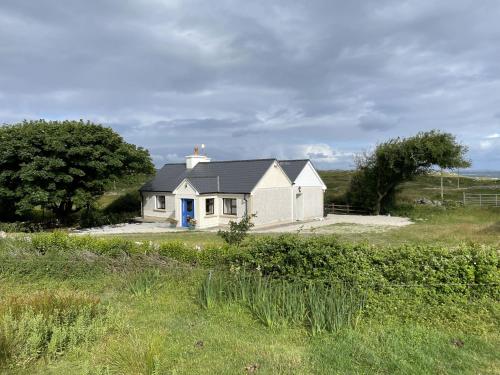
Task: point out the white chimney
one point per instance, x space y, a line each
192 160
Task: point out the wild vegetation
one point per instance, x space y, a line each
111 305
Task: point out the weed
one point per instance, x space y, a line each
279 303
144 283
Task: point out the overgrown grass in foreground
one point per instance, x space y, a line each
43 324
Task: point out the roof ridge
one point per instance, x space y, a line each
294 160
226 161
235 161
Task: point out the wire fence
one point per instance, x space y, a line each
481 200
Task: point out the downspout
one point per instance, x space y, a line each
142 205
246 203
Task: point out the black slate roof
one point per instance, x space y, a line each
293 168
237 176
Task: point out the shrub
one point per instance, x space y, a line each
442 270
237 230
95 217
207 255
20 226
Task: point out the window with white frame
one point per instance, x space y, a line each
160 202
209 206
229 206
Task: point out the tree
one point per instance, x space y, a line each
398 160
62 165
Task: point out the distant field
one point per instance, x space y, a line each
422 187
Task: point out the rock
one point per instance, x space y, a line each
199 344
458 343
423 200
252 368
3 234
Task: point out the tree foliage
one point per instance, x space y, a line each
399 160
62 165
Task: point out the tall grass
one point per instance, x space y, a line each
277 303
144 283
47 325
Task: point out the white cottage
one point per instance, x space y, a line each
215 192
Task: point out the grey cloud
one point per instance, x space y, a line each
255 79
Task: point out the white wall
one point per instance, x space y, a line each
272 205
309 177
272 199
308 203
149 205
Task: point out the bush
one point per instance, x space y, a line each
237 230
20 226
210 255
441 269
94 217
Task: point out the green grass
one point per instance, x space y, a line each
166 331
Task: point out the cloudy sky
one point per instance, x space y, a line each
250 79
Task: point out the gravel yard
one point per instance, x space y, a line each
330 224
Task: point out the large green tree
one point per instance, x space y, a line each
62 166
398 160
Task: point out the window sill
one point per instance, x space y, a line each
160 210
210 215
229 215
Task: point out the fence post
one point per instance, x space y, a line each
464 198
333 208
347 209
496 200
480 200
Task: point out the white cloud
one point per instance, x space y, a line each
485 145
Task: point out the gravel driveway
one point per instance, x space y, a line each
358 220
321 226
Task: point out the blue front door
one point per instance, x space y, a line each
187 211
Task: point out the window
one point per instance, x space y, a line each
209 206
229 206
160 202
